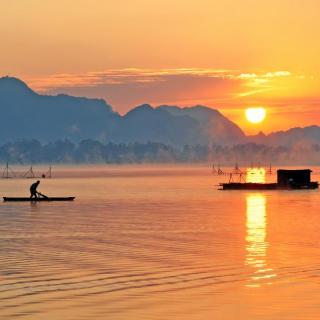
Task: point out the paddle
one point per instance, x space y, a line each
42 195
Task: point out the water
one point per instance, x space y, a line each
158 243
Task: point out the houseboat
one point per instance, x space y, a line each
286 180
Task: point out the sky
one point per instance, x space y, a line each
228 55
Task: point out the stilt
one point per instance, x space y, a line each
48 174
236 169
7 172
220 172
29 174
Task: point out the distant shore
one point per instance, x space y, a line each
31 152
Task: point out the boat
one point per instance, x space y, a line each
286 180
27 199
265 186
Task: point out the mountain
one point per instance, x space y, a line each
177 126
210 121
28 115
292 137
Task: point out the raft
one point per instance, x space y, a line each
266 186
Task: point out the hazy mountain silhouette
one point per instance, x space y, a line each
292 137
176 126
209 121
28 115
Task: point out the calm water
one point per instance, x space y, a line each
158 243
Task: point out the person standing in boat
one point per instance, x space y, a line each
33 190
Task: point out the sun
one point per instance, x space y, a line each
256 114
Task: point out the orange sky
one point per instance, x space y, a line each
225 54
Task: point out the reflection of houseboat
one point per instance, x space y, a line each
286 180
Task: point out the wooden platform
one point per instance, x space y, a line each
266 186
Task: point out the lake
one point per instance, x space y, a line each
150 242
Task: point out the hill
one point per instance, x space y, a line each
28 115
293 137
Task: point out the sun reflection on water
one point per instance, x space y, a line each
256 175
256 238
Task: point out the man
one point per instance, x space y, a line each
33 190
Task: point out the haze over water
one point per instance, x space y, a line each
158 243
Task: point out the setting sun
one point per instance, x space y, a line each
255 115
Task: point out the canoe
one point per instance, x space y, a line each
27 199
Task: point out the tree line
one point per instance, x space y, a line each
91 151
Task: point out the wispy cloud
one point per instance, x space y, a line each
122 76
126 87
282 92
263 82
267 75
136 75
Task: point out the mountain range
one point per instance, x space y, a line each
26 114
293 137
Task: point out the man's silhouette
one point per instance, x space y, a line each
33 190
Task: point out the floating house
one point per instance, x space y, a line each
300 178
286 180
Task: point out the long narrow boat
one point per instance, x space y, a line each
27 199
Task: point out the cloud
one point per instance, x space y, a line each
219 88
291 99
135 75
247 76
121 76
277 74
124 88
265 75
